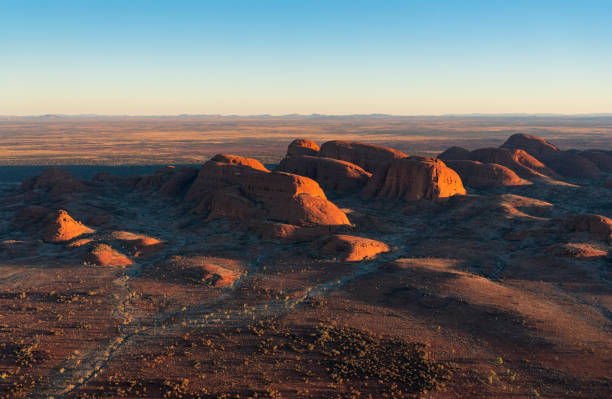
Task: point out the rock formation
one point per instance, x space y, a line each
244 192
534 146
573 165
601 159
331 174
55 181
104 255
239 160
519 161
414 178
300 147
484 175
368 156
62 227
352 248
597 225
523 164
565 163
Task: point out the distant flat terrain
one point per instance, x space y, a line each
192 139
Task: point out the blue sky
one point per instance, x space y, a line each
279 57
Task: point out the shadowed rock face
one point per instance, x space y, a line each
483 175
601 159
519 161
300 147
332 174
240 191
455 154
368 156
598 225
569 164
62 227
534 146
56 181
414 178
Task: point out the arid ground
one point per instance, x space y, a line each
210 282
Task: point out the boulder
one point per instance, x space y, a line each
370 157
352 248
484 175
300 147
414 178
331 174
62 227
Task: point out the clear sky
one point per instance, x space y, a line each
280 57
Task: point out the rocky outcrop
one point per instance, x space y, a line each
414 178
566 163
485 175
241 191
331 174
62 227
352 248
179 182
104 255
602 159
55 181
523 164
533 145
455 154
519 161
300 147
572 165
370 157
576 251
239 160
597 225
139 243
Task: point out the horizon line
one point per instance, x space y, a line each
315 115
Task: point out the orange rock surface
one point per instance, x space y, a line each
104 255
331 174
300 147
352 248
237 190
62 227
483 175
414 178
370 157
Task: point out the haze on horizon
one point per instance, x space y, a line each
284 57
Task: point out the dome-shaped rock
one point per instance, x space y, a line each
414 178
331 174
370 157
302 147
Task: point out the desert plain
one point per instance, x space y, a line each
375 257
